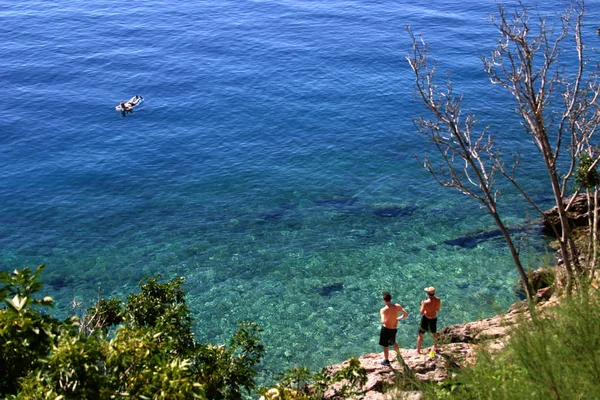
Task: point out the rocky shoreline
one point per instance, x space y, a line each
458 346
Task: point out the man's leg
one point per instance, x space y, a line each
435 341
386 357
419 342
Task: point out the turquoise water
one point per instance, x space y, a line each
272 164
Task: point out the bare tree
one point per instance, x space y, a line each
468 160
526 63
557 107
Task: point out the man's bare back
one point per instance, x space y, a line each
389 315
430 307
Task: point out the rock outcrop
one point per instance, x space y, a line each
458 347
577 214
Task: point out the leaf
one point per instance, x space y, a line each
17 303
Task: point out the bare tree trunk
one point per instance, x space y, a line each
593 233
515 256
567 247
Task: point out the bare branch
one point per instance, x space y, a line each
467 160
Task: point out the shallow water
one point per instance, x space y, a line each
272 164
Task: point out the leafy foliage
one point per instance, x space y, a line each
73 367
586 174
19 288
300 384
103 315
162 306
143 363
151 354
142 348
228 370
26 336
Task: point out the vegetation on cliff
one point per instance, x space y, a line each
542 63
141 348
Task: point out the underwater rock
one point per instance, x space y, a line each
393 210
272 215
59 281
278 213
337 201
471 240
330 289
294 225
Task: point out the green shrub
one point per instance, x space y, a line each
26 336
227 372
73 369
300 384
151 355
162 306
103 315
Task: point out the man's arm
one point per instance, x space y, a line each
382 316
404 313
422 310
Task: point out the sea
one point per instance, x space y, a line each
274 163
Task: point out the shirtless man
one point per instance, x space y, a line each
128 107
125 107
389 327
429 309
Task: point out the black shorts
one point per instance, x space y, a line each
387 337
428 325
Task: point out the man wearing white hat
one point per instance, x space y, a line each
429 309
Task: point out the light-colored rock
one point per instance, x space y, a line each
393 395
412 395
421 366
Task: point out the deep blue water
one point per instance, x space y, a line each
273 135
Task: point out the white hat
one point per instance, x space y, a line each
430 290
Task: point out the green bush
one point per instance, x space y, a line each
152 353
26 336
162 306
300 384
73 369
102 316
142 348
